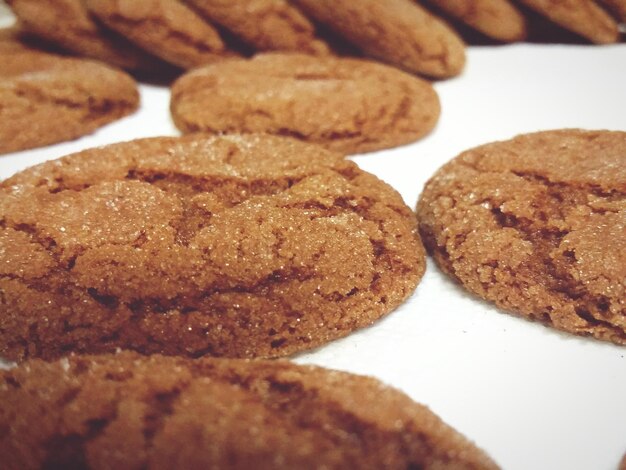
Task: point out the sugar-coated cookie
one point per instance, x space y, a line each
166 28
48 98
227 246
398 32
68 24
348 105
537 224
126 411
266 25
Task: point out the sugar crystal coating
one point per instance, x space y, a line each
226 246
347 105
537 224
126 411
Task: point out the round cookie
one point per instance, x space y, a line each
266 25
398 32
583 17
537 224
233 246
67 23
348 105
166 28
47 98
127 411
498 19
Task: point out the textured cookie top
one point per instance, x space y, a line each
48 98
538 225
228 246
347 105
399 32
68 24
498 19
126 411
166 28
584 17
267 25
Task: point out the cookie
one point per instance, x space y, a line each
623 463
225 246
67 23
498 19
583 17
166 28
266 25
398 32
617 7
48 98
537 224
348 105
127 411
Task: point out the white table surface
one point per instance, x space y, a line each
532 397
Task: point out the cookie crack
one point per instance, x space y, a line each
165 29
93 108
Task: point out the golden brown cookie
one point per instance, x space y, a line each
226 246
126 411
537 224
399 32
47 98
267 25
583 17
347 105
498 19
166 28
67 23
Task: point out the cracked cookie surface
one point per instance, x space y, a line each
47 98
348 105
166 28
68 24
537 225
266 25
398 32
226 246
126 411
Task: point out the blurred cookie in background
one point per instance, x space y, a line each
48 98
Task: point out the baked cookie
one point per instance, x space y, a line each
622 465
617 7
226 246
348 105
67 23
166 28
498 19
266 25
48 98
537 224
583 17
399 32
128 411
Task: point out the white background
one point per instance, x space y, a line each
533 398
